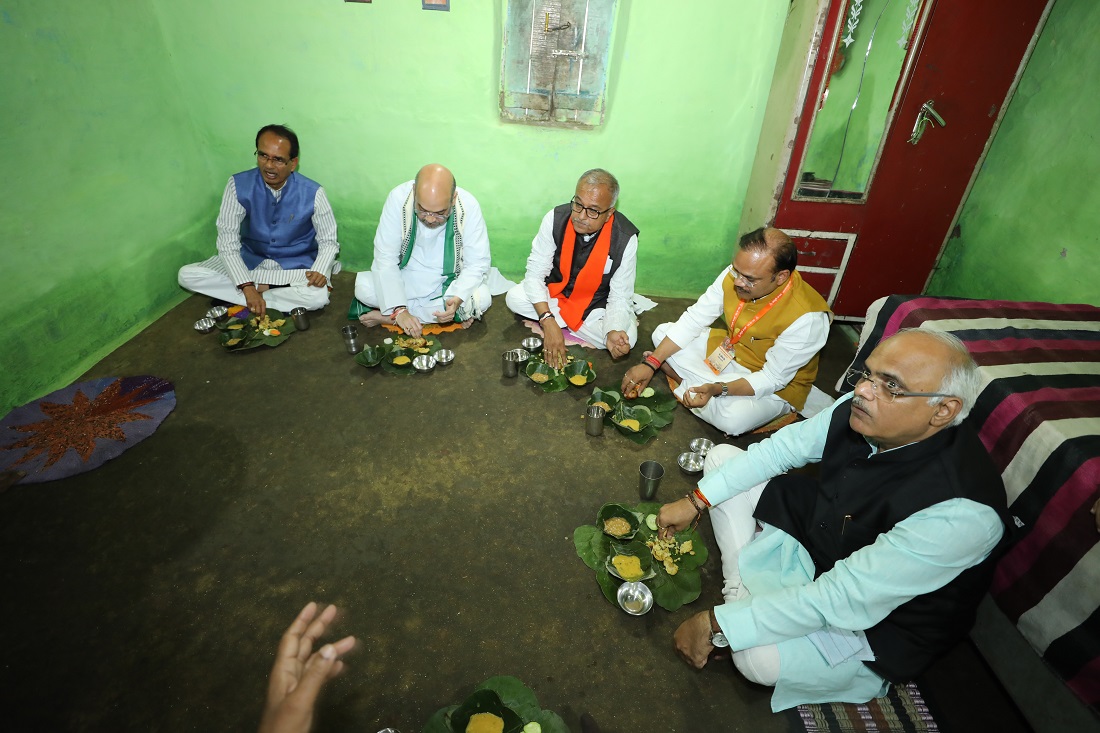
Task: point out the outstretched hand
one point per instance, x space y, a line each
448 314
300 673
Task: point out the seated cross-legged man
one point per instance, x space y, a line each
431 257
839 585
276 235
581 271
763 364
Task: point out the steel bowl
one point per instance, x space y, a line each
691 462
443 357
635 598
204 325
424 363
532 344
219 313
701 446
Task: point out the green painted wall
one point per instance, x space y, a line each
127 116
1029 229
104 179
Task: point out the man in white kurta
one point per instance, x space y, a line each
581 271
431 257
777 325
276 235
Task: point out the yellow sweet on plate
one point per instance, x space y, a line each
631 425
539 377
578 380
401 361
628 566
485 723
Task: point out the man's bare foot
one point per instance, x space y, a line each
468 322
373 318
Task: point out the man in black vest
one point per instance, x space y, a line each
580 273
838 585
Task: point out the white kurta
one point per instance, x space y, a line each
419 287
617 315
734 415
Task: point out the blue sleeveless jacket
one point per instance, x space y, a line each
280 231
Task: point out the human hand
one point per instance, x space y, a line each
1096 513
316 279
675 517
448 315
255 302
692 640
298 675
553 344
635 380
700 396
408 323
618 343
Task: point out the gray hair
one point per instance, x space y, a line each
600 177
962 379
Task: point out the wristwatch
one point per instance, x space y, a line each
545 315
717 638
725 390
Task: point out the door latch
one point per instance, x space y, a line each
927 115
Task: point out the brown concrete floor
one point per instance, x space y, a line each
437 510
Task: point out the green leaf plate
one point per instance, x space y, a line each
249 336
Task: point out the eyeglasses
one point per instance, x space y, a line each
890 391
588 210
425 214
265 158
741 276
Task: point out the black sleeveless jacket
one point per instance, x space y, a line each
621 232
875 493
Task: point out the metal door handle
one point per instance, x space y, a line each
927 115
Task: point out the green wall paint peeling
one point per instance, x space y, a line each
1029 229
124 118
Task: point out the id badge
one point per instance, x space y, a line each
719 359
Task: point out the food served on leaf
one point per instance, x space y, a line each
485 723
532 727
233 342
402 361
629 567
236 326
540 377
648 392
578 379
604 405
617 526
408 342
630 425
667 551
651 521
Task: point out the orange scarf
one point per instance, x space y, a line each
588 279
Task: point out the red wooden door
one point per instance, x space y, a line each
965 61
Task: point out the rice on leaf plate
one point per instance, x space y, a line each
546 376
505 697
656 412
385 354
670 591
241 331
579 373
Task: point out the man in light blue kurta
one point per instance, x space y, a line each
836 613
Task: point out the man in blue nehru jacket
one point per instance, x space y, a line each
276 235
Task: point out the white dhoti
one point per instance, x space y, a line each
211 279
593 329
732 415
735 527
424 307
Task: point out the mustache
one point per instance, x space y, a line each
859 402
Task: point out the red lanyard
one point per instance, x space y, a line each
731 340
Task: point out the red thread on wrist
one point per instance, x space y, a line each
652 361
702 498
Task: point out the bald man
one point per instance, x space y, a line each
864 573
431 257
764 362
